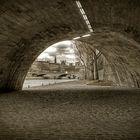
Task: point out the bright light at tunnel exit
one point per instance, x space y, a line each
67 52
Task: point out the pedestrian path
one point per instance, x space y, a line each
70 114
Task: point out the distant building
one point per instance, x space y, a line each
55 60
45 67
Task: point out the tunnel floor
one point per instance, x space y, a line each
70 114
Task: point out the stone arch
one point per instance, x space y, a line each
27 27
122 54
118 61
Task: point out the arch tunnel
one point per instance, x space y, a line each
27 28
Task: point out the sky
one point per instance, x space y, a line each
64 50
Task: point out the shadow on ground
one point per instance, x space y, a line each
100 114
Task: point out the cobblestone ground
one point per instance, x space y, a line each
78 113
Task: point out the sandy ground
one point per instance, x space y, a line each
71 113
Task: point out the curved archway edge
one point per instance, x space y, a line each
36 26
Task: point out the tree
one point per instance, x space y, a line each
88 56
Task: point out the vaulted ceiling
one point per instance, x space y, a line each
28 27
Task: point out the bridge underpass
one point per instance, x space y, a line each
27 27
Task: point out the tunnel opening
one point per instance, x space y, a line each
106 30
70 62
111 33
56 64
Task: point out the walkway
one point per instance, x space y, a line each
70 114
29 83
